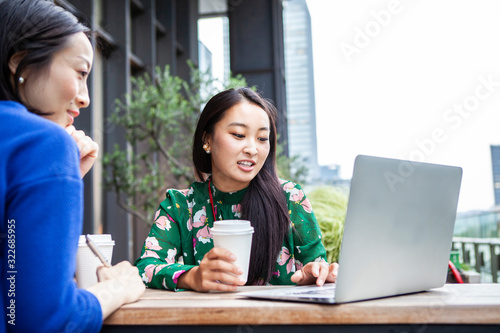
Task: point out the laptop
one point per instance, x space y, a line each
397 235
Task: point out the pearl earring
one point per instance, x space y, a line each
21 80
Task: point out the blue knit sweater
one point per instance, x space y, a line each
41 209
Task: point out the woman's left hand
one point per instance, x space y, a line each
316 272
88 148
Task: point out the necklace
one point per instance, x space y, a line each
211 199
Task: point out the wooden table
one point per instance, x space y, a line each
453 308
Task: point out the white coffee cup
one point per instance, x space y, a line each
236 237
87 262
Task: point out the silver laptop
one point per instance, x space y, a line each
397 235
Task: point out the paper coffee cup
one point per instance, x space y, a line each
87 262
236 237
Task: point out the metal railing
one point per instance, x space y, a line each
483 254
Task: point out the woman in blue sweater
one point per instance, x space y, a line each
45 57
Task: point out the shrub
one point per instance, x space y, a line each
330 205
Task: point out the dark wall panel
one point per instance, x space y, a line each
257 51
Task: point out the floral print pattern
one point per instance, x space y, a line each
180 235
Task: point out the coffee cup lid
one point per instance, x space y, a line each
99 239
232 224
231 227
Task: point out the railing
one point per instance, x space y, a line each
481 253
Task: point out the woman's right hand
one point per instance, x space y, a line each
117 285
215 272
89 149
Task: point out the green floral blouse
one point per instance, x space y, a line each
180 236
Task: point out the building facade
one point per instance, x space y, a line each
301 110
495 166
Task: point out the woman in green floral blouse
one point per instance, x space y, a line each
234 153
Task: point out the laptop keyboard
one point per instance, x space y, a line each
315 291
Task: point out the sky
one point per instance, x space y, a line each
417 80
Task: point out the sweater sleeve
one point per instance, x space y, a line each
160 263
306 232
45 206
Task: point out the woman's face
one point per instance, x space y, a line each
239 146
62 89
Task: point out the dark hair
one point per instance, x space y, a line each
36 29
264 203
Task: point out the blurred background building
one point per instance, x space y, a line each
495 166
300 98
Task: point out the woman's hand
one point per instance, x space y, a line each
118 285
215 272
88 148
127 279
316 272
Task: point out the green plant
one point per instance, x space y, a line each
159 118
466 267
291 168
330 204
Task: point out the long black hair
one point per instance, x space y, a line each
36 30
264 203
